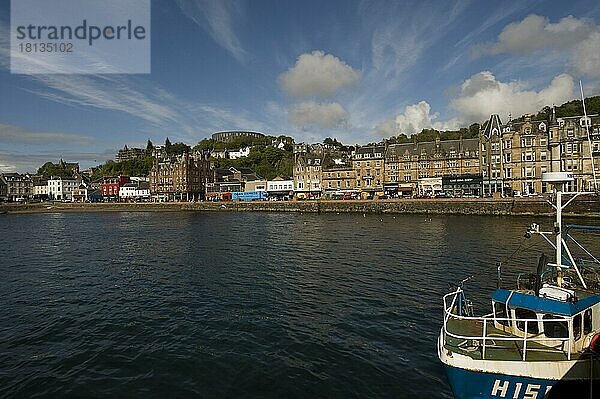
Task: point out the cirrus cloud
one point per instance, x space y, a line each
317 75
329 115
11 134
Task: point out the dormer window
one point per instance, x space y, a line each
542 127
585 121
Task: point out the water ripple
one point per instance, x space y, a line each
234 305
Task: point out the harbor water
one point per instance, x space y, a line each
239 305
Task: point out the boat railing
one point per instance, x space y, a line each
484 339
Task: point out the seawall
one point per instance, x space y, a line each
583 207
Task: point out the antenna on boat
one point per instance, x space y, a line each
558 179
587 129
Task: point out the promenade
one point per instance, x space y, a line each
584 207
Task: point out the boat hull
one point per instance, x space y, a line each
468 384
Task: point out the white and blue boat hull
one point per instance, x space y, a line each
483 379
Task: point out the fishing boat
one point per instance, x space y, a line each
542 336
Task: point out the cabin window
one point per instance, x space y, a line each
555 326
577 327
532 326
587 321
500 312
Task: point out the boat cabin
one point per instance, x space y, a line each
555 317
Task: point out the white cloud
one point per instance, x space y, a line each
578 38
536 33
216 17
17 135
317 75
415 118
330 115
586 56
482 95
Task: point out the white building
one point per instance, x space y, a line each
430 186
279 188
61 189
242 152
131 191
40 190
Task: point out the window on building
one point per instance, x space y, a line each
528 156
543 141
508 144
527 142
543 155
508 173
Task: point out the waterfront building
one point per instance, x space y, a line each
40 189
135 191
410 163
182 177
514 155
15 186
232 135
430 186
307 176
570 150
369 169
339 182
280 188
127 153
61 188
467 185
227 181
3 189
255 185
80 193
110 186
491 153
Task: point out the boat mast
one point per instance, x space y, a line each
558 179
558 230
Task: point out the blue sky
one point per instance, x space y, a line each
356 70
